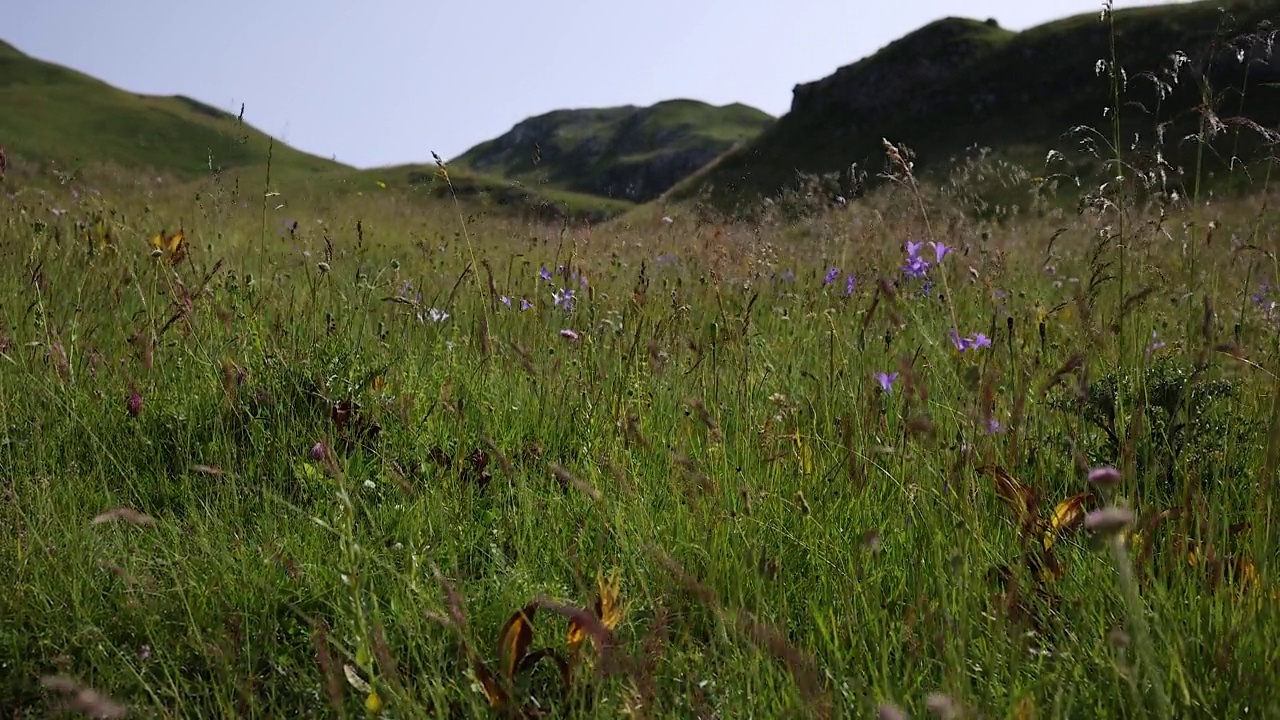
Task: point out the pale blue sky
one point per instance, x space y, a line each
384 82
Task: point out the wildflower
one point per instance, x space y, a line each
1109 520
916 266
973 342
505 300
1105 478
886 381
525 304
436 315
849 284
667 219
941 250
666 258
994 426
788 276
885 711
569 334
564 298
134 403
832 274
1156 343
942 706
545 274
319 451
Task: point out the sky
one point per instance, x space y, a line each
386 82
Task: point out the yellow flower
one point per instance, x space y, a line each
373 703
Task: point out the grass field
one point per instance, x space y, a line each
364 455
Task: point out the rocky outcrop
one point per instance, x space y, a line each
896 76
958 84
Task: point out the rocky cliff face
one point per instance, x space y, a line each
956 84
628 152
895 77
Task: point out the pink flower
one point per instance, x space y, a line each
569 334
134 403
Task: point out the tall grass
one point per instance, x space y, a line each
347 455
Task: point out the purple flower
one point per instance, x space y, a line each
319 451
916 266
569 335
545 274
994 426
666 258
941 250
563 298
832 274
849 284
1156 343
505 300
134 403
788 276
1105 477
525 304
886 381
973 342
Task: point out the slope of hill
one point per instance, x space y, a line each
482 192
49 112
52 113
957 83
628 153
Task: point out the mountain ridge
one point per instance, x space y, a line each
956 83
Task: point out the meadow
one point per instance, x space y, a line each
316 453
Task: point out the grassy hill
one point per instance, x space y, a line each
629 153
485 192
52 113
958 83
49 112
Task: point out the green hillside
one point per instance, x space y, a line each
508 197
49 112
52 113
629 153
958 83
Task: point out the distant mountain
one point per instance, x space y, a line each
956 83
627 153
49 112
